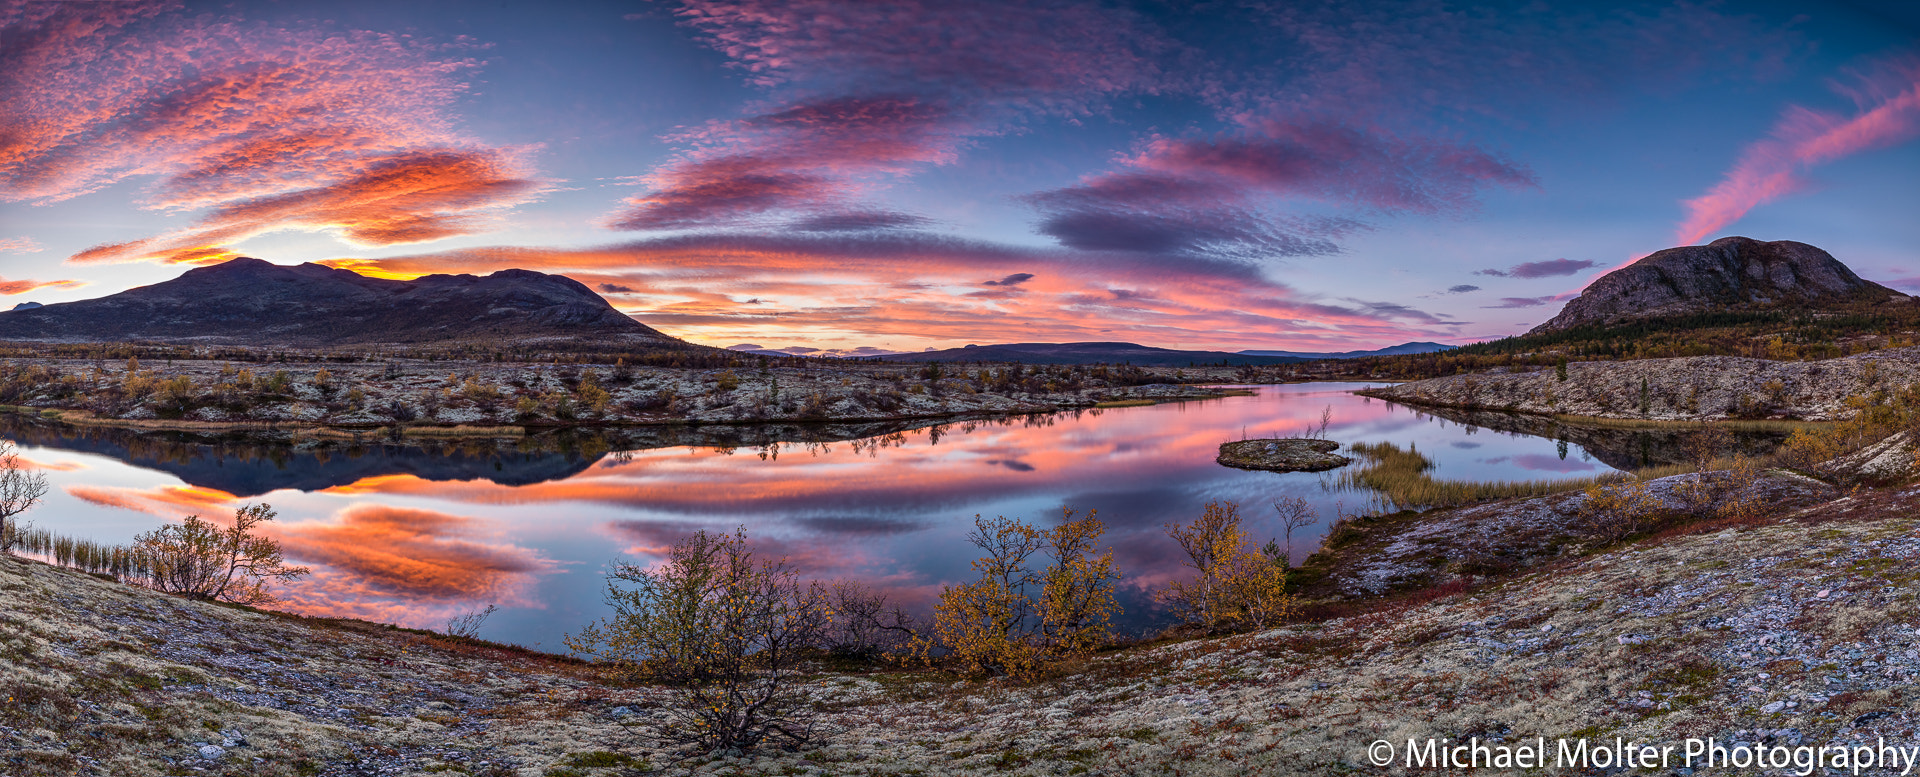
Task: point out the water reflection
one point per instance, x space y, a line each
412 532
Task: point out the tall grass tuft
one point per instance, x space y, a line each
98 558
1400 477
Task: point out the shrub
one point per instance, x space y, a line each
1614 512
21 489
1236 585
1014 620
467 625
724 630
863 625
199 560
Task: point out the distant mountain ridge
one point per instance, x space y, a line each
1391 350
249 301
1729 273
1085 353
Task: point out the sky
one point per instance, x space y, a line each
834 177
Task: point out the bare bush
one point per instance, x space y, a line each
467 625
725 630
200 560
21 489
1295 513
864 625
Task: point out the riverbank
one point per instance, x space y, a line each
1796 628
1692 389
489 399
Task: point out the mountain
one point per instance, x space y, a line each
1391 350
1729 273
252 302
28 306
1085 353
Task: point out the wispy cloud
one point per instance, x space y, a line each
1886 113
1521 302
841 291
866 93
8 287
406 198
1221 196
263 127
19 245
1552 268
1461 289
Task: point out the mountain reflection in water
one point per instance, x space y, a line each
410 531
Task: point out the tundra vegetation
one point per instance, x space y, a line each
741 647
381 390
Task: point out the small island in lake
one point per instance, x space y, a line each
1283 455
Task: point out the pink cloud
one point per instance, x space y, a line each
1887 114
19 245
1222 197
838 291
867 93
260 125
404 198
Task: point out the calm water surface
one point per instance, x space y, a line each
413 536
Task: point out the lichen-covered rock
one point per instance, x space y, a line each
1893 460
1283 455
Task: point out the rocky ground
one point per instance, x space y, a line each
214 394
1800 628
1699 388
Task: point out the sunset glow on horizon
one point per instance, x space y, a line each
823 176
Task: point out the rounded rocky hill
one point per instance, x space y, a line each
1726 273
252 302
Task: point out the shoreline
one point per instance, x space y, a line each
362 430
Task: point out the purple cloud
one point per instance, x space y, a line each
1552 268
1520 302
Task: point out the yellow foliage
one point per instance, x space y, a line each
1013 621
1614 512
1235 585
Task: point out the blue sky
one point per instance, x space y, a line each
842 176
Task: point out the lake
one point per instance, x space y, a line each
412 533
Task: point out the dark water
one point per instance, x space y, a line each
411 532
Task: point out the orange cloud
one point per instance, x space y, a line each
58 466
178 501
1888 115
22 287
405 198
384 551
829 290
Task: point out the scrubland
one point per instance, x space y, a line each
1504 620
418 394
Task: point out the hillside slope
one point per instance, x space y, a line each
1693 388
251 302
1796 631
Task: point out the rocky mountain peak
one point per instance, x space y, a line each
1730 272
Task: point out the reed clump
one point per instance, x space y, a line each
97 558
1402 476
